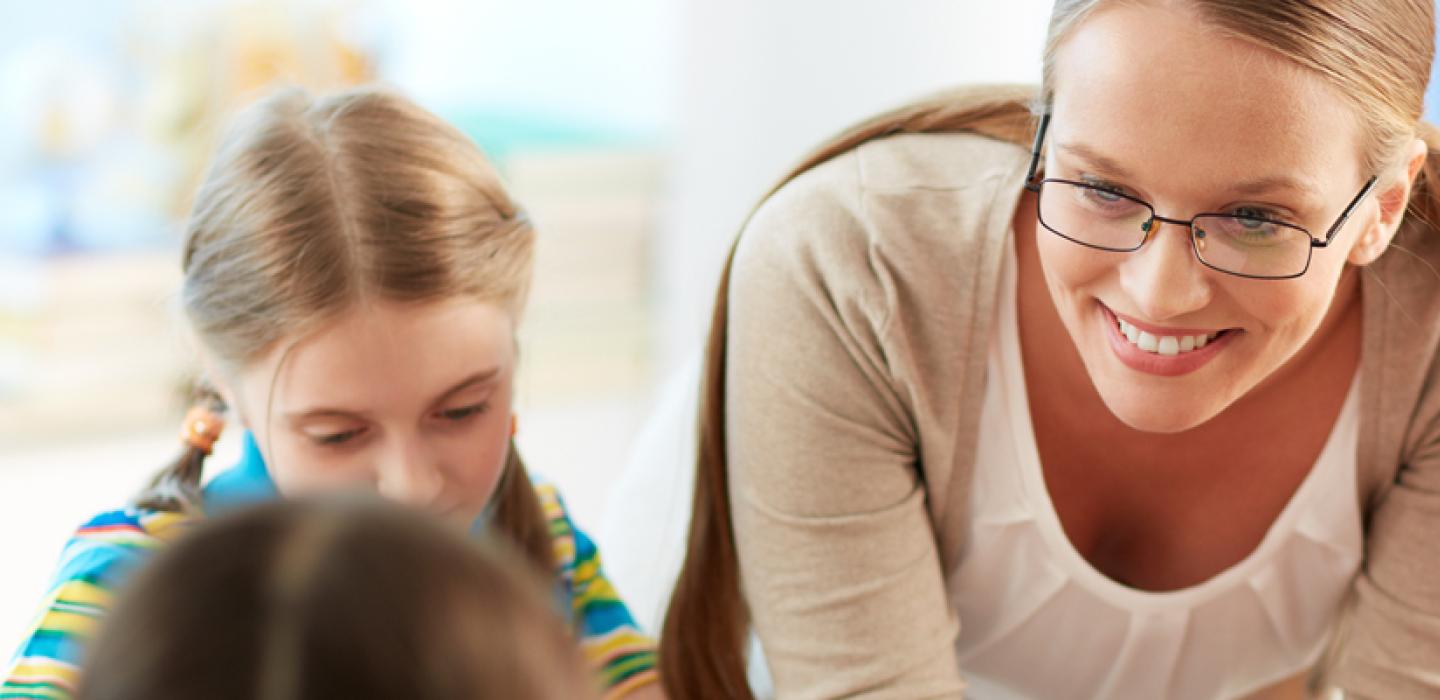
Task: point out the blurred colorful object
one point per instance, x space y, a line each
107 125
106 121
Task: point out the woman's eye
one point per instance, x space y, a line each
1105 195
1104 191
459 414
1254 219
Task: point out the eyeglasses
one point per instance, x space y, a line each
1100 216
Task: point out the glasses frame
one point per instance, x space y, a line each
1149 227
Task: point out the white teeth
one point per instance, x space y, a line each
1167 345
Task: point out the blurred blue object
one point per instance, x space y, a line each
500 132
1432 92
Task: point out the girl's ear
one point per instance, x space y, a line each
1393 199
220 382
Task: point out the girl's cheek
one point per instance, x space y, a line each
303 469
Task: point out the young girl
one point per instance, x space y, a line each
333 598
1150 413
354 272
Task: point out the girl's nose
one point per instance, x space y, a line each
411 474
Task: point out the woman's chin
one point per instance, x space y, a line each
1152 414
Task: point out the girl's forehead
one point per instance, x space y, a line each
393 353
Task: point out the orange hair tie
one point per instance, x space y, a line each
201 429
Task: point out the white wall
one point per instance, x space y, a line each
763 81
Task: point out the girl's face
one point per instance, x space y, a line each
1152 101
410 400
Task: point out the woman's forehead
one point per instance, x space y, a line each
1152 89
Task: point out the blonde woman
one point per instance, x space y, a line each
1122 389
354 273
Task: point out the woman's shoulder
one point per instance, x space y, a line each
910 198
912 168
901 233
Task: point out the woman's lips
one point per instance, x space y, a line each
1168 352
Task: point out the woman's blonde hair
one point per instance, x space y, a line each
1375 53
337 598
314 205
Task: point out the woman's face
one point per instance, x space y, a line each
411 400
1152 101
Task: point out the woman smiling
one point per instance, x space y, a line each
1122 389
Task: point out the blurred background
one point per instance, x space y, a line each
638 133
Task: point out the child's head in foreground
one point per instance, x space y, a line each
333 599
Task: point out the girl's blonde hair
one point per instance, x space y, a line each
334 599
314 205
1376 53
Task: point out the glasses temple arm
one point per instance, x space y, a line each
1345 215
1035 150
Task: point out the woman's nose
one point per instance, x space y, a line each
1164 279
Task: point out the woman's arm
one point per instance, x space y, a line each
837 553
1390 641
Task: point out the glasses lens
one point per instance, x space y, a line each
1093 216
1252 247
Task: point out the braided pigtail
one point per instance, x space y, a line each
176 488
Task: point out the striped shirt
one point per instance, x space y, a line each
104 551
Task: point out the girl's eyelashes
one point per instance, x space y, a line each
336 439
345 437
459 414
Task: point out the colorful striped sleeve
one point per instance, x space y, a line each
94 562
609 637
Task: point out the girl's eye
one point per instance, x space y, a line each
460 414
334 439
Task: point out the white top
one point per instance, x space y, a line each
1038 621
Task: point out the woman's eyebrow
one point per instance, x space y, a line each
1094 158
1277 183
1252 187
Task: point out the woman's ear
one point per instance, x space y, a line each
1393 200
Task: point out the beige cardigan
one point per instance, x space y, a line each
861 304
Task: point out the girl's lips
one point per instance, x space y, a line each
1157 364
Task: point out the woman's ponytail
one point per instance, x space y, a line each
703 641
